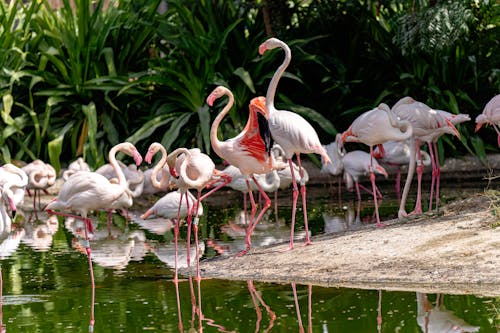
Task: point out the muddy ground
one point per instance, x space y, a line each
455 251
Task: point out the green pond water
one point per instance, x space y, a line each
46 283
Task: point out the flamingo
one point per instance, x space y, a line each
336 167
77 165
438 319
195 170
13 182
160 169
292 132
490 116
41 176
397 154
168 206
428 125
249 151
134 176
358 163
86 191
375 127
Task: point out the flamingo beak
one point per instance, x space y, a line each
137 158
149 157
344 136
478 127
258 104
173 172
262 48
211 99
454 129
380 170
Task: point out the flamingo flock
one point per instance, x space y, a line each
260 159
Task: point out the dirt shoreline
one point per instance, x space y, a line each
455 252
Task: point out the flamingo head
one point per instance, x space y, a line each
480 121
216 93
152 150
269 44
344 137
130 150
258 105
173 172
380 170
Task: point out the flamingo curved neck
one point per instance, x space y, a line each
163 183
116 167
270 182
271 90
216 143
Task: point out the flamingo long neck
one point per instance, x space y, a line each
271 90
116 167
216 143
163 183
409 177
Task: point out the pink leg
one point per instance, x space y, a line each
304 201
253 222
498 133
309 308
297 307
398 184
249 226
276 206
294 204
358 192
420 171
179 312
245 207
438 175
374 188
189 222
195 227
379 312
176 241
433 181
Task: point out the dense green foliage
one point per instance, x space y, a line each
75 81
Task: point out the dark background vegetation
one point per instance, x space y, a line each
78 77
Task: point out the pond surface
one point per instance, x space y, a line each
46 284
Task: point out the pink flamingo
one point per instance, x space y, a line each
292 132
13 182
41 176
195 170
336 167
249 151
375 127
358 163
428 125
87 191
397 154
490 116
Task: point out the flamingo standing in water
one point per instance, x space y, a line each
41 176
428 125
13 182
87 191
375 127
292 132
490 116
250 151
196 170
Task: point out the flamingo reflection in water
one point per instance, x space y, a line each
438 319
309 308
256 297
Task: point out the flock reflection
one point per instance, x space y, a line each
114 247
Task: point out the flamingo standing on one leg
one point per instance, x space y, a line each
86 191
428 124
292 132
490 116
250 151
375 127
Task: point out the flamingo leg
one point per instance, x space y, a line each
433 181
179 312
379 311
189 221
304 201
309 308
438 174
498 133
420 171
358 192
374 187
195 229
253 293
295 196
176 241
297 308
398 184
248 240
253 222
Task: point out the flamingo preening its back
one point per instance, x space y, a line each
292 132
249 151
